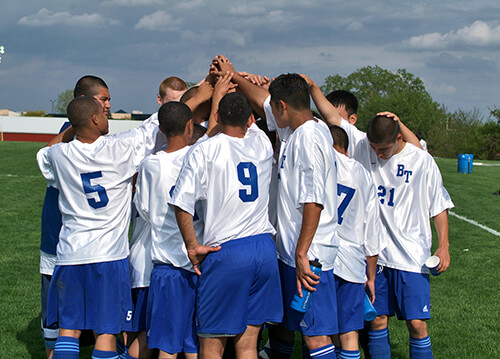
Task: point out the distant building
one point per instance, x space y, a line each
4 112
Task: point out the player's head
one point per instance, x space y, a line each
288 91
384 136
198 132
340 139
202 112
93 86
171 89
174 117
345 103
234 110
87 112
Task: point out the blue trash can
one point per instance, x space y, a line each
465 162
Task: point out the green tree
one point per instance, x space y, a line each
63 99
401 92
32 113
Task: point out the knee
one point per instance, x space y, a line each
417 328
379 322
315 342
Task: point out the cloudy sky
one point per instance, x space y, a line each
452 45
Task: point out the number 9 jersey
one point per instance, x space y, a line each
232 175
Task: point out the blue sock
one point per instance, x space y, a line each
121 349
280 349
349 354
67 348
128 356
326 352
420 348
101 354
379 345
337 351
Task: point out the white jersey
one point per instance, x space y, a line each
307 174
232 174
95 189
47 263
141 265
359 227
410 191
155 183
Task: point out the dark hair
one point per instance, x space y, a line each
234 110
192 92
173 83
88 86
382 129
344 98
81 109
339 137
198 132
292 89
419 135
173 117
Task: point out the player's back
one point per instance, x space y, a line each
234 174
359 228
155 184
95 182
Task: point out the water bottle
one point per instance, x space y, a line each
370 312
301 304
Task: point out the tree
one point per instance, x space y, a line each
63 99
401 92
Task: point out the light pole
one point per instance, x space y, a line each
52 102
2 51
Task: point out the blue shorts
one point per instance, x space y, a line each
93 296
350 305
321 316
406 293
239 286
140 299
170 315
49 332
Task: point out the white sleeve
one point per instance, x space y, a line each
311 172
143 186
191 183
45 166
438 197
271 121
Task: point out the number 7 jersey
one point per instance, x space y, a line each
232 175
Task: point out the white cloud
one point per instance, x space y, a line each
478 34
354 26
247 10
131 3
189 5
46 17
215 37
159 21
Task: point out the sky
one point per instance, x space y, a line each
452 45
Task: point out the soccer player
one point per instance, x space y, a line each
171 324
360 237
51 217
345 103
93 174
239 287
171 89
410 190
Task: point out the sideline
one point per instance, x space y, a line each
17 176
492 231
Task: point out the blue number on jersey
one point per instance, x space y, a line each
89 188
382 192
349 193
247 175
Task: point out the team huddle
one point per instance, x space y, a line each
235 191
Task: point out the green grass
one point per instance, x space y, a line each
466 302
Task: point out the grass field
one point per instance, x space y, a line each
466 299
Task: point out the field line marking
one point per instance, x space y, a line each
492 231
17 176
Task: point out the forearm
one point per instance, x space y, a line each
408 135
441 224
325 108
66 136
255 94
371 267
186 226
310 221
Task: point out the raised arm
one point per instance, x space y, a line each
325 108
256 94
65 136
221 88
